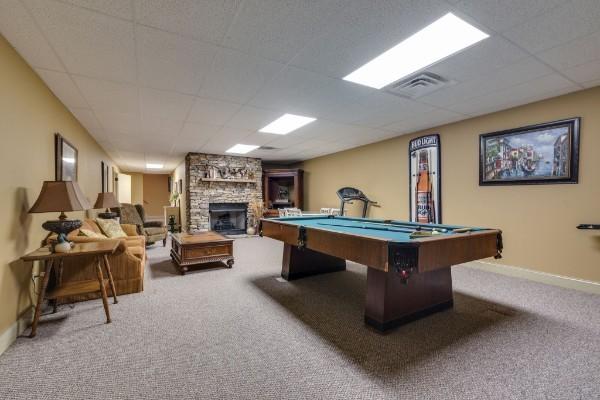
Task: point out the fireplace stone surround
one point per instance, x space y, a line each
203 189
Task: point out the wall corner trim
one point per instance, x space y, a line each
566 282
17 328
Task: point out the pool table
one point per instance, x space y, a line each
408 264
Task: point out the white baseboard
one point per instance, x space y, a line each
10 335
542 277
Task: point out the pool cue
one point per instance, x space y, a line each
375 228
406 225
463 230
413 233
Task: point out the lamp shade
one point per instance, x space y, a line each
60 196
106 200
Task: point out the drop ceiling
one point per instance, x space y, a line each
152 80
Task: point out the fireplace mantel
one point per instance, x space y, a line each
229 180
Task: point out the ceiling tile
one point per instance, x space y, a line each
87 42
501 15
260 23
119 123
488 82
160 127
481 59
63 87
537 89
573 53
585 72
591 84
116 8
569 21
160 103
210 111
110 96
206 20
19 28
171 62
88 119
199 132
258 138
237 76
424 121
252 118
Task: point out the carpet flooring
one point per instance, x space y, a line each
244 334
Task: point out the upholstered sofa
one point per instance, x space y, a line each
126 264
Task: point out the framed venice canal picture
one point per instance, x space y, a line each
546 153
424 160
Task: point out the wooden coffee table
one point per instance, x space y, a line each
200 248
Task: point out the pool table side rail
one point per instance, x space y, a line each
431 252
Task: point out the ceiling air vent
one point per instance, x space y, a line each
267 148
418 85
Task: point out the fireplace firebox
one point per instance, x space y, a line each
228 218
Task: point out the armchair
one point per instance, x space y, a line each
154 231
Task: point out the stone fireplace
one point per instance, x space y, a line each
228 218
219 189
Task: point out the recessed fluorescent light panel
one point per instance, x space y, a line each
444 37
286 124
242 148
154 166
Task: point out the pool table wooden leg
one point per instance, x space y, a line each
301 263
391 303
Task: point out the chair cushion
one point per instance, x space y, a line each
155 231
111 228
91 234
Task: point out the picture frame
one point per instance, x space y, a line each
169 184
540 154
180 186
105 174
65 159
425 179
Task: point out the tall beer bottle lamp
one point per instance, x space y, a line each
424 199
60 196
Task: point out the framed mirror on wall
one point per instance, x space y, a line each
105 173
65 156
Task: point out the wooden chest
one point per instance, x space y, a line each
199 248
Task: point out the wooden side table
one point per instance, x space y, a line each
100 250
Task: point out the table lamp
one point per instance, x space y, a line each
60 196
106 200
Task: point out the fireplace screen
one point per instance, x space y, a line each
228 218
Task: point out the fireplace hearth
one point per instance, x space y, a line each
228 218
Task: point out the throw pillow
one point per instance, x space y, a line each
91 234
111 228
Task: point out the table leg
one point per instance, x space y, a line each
391 301
102 289
299 263
110 278
41 294
58 274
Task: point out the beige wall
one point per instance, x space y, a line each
538 220
178 174
156 194
29 116
137 187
